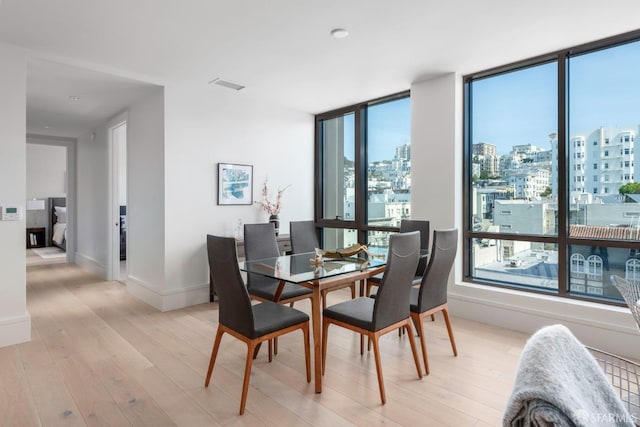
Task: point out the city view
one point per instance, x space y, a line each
514 170
514 151
388 170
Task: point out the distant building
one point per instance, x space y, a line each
484 200
529 183
486 156
484 149
603 161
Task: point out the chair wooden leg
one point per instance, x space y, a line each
324 299
247 375
412 341
270 350
275 345
325 337
307 351
420 329
214 354
361 344
257 350
376 353
433 318
353 290
445 313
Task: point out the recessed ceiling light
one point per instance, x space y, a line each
47 127
74 98
339 33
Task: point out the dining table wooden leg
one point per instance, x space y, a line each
316 321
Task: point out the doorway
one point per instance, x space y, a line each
118 267
50 184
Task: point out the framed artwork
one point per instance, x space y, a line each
235 184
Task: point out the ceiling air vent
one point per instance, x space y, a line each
218 81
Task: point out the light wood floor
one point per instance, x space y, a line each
100 357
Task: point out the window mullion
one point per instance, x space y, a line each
361 173
562 176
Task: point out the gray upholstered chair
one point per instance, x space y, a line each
251 324
304 239
407 225
260 243
390 310
431 296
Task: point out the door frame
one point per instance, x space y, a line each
113 233
70 181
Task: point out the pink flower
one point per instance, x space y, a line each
272 208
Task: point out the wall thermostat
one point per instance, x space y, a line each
10 213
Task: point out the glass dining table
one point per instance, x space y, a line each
300 270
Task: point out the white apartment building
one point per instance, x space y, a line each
486 155
529 183
603 161
403 152
521 216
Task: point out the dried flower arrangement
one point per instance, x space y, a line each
272 208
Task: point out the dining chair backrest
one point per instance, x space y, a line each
303 236
259 243
407 225
433 288
392 300
234 303
422 226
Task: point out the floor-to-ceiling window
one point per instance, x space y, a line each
363 171
551 203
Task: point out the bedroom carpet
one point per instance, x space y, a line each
50 252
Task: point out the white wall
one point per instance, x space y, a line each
203 128
145 198
175 139
435 133
92 201
15 322
46 177
436 141
46 171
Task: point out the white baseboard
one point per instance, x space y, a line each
15 330
166 300
608 328
92 265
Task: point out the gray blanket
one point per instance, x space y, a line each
559 383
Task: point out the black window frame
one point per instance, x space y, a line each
563 240
360 222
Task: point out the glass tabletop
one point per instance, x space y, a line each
298 268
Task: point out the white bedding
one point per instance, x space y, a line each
59 232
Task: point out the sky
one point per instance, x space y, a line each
521 107
389 126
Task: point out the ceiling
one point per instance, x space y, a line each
110 52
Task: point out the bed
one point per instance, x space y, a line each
57 222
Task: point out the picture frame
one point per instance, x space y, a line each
235 184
